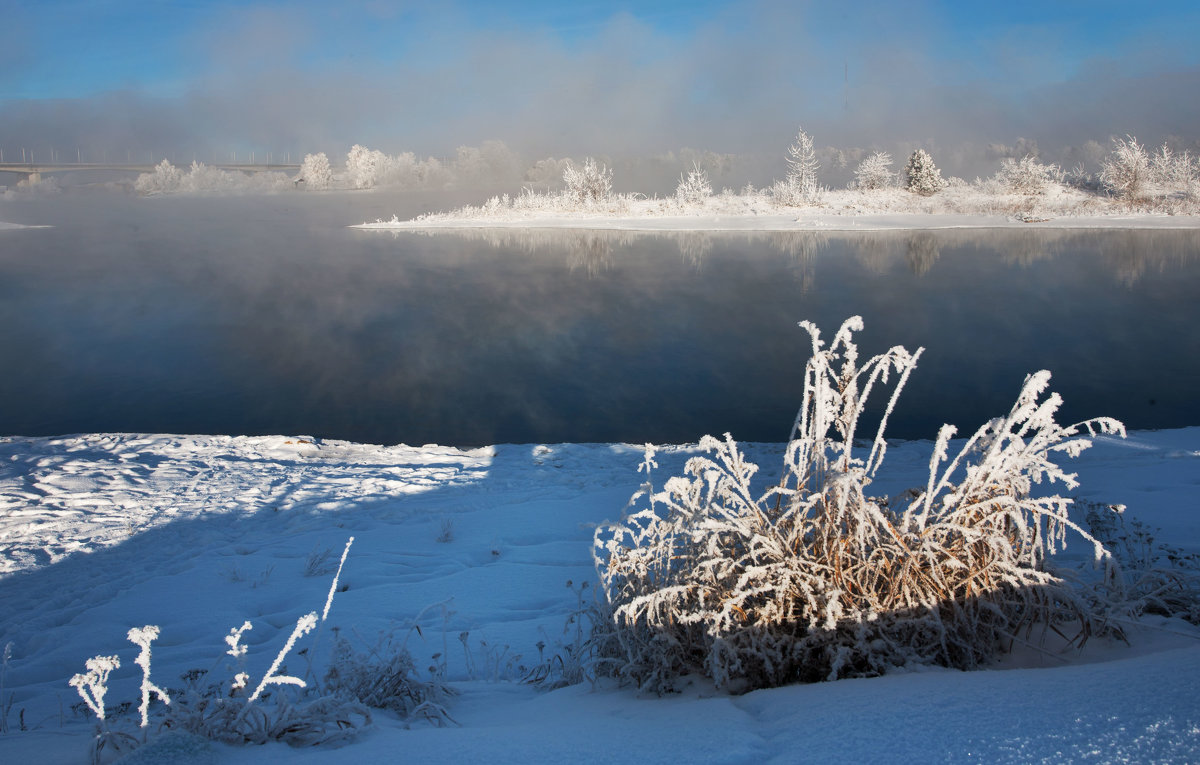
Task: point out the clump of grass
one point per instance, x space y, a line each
1156 578
814 578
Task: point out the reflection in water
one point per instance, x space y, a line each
694 246
923 252
136 323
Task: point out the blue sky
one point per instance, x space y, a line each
557 77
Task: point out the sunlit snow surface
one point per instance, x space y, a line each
100 533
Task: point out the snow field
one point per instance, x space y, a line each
102 533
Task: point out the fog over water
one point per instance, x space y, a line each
266 315
968 82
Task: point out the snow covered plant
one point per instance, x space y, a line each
813 578
799 187
921 176
227 711
694 188
1027 175
165 179
590 183
875 172
315 171
1126 170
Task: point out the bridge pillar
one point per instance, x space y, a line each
34 178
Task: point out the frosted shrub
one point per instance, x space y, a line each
694 188
921 175
165 179
1027 176
813 578
799 187
589 184
315 171
385 677
1125 171
875 172
1175 173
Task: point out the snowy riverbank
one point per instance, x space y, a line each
196 534
845 210
781 223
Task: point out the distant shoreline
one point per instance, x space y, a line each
774 223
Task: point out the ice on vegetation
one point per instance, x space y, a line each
438 634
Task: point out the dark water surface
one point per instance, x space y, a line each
265 315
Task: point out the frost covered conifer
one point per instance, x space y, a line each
693 188
316 171
800 185
921 175
875 172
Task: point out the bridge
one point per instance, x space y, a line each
34 171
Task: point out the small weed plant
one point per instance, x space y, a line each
815 579
302 710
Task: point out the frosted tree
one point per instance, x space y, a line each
875 172
165 179
922 176
365 166
800 185
316 172
1126 170
694 187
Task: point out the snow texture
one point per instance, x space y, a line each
197 535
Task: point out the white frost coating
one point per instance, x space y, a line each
1136 702
336 576
233 639
303 627
142 637
815 579
93 684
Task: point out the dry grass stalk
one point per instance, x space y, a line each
814 579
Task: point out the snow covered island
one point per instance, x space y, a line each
1133 190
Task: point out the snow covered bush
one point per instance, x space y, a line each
921 175
815 579
385 677
693 188
1126 170
799 187
315 171
588 184
1027 175
875 171
201 178
165 179
1176 173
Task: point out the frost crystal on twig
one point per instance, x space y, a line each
93 684
142 638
